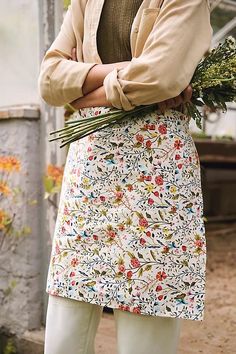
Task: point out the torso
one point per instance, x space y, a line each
113 36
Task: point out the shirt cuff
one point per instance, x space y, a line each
114 92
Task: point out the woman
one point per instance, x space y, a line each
129 232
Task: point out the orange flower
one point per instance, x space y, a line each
4 219
161 276
4 189
55 173
9 164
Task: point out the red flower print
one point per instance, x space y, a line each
121 268
139 138
160 297
141 178
148 144
90 157
66 211
156 194
119 195
136 310
102 198
178 144
158 288
57 249
165 249
74 262
111 234
148 233
152 126
162 129
73 282
199 243
95 237
72 274
150 201
180 165
148 178
121 227
135 262
143 222
177 157
184 248
159 180
142 241
161 276
126 308
89 149
129 274
130 187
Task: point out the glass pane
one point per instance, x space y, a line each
19 48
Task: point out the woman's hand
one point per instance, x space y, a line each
96 98
175 102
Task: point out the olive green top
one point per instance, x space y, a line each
113 36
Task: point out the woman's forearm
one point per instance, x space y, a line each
96 98
97 75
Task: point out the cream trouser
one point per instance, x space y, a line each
71 327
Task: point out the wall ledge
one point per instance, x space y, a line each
20 112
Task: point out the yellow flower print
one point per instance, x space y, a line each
166 231
150 188
85 180
104 212
173 189
129 221
141 228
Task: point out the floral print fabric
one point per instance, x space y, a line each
130 232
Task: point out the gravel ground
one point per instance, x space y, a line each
217 333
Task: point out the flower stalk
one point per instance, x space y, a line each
213 84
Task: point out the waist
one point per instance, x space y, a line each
169 115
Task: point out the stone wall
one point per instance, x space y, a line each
20 252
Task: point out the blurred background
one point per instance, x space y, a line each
31 172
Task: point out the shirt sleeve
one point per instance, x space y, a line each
179 39
60 80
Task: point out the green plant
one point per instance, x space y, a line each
9 197
66 3
213 84
10 347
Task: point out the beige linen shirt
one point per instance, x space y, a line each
166 45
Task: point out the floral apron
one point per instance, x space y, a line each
130 231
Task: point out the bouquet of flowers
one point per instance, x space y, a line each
213 84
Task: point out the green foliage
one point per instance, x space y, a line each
213 84
10 347
66 3
12 284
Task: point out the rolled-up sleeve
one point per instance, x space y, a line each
61 80
179 39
